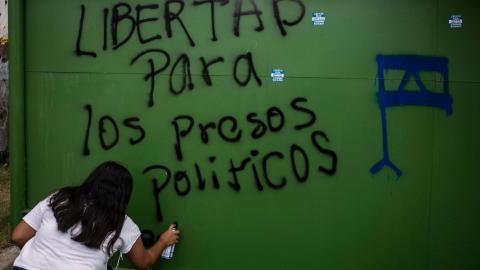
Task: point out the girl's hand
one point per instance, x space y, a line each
170 236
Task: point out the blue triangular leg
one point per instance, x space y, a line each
385 163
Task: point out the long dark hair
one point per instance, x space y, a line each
98 205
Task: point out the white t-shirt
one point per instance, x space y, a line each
52 249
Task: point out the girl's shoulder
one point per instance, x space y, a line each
129 234
129 226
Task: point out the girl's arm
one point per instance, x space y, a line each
144 258
22 233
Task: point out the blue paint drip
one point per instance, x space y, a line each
412 65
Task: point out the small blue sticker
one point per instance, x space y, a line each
318 18
278 75
455 21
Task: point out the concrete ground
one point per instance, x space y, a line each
7 256
8 253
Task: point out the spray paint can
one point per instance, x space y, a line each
168 251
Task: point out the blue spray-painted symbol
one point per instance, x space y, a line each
412 65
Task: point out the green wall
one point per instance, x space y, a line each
341 217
